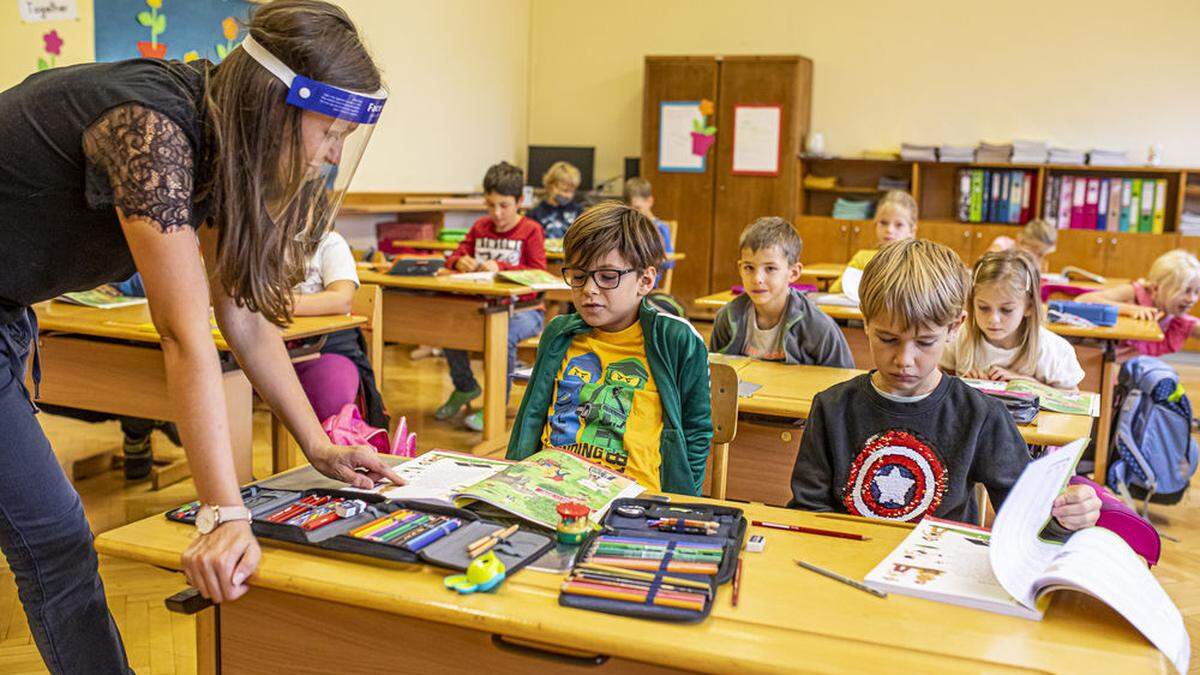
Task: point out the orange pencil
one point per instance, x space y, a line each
574 588
737 581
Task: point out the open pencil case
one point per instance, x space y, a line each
662 556
433 533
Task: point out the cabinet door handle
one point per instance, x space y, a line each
1099 240
979 235
967 235
856 229
548 653
845 229
1113 241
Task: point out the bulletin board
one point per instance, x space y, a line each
182 30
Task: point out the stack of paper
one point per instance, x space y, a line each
956 153
1029 152
993 153
850 209
1109 158
1065 156
1189 224
911 152
888 183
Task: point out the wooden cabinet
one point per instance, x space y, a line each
1124 255
825 239
713 206
686 198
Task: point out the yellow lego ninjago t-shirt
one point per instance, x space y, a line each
606 408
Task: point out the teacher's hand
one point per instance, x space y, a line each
343 462
220 562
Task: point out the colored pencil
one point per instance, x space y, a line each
426 538
811 530
845 580
634 574
639 583
575 588
737 581
652 565
677 595
656 542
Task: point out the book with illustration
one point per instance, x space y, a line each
101 298
1020 563
1049 398
530 489
538 280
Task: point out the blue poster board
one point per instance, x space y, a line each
169 29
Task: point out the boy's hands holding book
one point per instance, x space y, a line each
1077 507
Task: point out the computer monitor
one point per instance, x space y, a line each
541 157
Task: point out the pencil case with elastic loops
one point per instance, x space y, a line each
646 561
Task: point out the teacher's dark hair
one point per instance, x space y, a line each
258 150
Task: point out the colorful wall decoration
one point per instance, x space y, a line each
168 29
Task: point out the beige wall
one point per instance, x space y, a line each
457 70
1082 73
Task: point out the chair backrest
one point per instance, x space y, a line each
368 302
668 275
724 399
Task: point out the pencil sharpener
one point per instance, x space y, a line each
756 543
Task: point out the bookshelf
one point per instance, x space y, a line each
934 186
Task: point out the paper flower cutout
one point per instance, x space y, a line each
53 43
229 27
191 56
706 107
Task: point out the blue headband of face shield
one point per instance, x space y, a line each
319 97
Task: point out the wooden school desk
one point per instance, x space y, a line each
323 612
445 312
104 360
1108 337
764 449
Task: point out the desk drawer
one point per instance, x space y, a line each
271 631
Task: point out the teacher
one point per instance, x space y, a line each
216 183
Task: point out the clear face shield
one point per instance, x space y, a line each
334 129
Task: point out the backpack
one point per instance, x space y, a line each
1155 454
346 427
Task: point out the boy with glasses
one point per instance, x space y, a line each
619 383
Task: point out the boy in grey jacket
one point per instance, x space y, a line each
772 321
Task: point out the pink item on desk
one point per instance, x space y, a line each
348 428
1049 290
1117 517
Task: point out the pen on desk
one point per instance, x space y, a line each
845 580
737 581
810 530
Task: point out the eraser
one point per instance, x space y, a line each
756 544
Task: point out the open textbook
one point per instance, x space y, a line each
530 489
851 279
101 298
1049 398
1013 569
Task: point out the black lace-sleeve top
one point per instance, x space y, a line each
76 145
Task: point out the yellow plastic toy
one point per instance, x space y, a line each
483 574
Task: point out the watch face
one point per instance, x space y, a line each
206 519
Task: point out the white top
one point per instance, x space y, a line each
765 345
1056 365
332 262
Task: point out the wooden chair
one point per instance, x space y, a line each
367 302
668 275
724 398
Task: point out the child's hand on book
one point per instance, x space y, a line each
466 264
1077 507
1001 374
488 266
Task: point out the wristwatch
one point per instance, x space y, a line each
210 516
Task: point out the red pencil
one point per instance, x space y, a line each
737 581
810 530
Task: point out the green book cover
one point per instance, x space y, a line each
1126 194
977 196
1146 212
1135 205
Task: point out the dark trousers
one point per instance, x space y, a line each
44 534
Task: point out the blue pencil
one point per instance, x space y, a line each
420 542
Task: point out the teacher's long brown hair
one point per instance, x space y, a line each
257 147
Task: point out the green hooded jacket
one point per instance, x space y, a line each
678 362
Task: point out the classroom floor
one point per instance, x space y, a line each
160 642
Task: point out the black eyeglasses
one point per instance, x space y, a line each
606 279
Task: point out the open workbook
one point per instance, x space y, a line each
100 298
1014 568
530 489
1049 398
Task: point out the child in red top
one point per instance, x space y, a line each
501 240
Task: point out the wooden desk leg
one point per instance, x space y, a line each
495 373
283 448
239 406
1108 378
208 654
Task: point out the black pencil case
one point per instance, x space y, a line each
631 518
